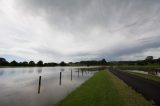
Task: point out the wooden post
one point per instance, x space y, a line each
60 78
39 86
78 73
71 74
82 72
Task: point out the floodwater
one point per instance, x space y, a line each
23 87
156 73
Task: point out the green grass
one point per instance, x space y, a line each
104 89
147 76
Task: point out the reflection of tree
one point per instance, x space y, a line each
1 73
62 69
30 71
39 70
12 72
152 72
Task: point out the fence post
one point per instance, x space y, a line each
78 73
39 86
60 78
71 74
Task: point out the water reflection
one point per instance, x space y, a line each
78 73
150 72
39 70
71 75
30 71
53 84
62 69
1 73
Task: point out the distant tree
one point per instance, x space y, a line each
103 62
31 63
20 64
70 63
158 60
14 63
62 63
50 64
3 62
40 63
149 58
25 63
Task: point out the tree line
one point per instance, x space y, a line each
149 60
4 62
90 63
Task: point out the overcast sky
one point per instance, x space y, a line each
74 30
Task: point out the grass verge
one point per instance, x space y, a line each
104 89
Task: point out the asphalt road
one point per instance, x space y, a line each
148 88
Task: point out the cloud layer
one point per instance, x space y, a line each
73 30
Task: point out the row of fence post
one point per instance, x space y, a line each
60 80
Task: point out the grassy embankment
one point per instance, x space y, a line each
147 76
104 89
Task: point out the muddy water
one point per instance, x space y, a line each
19 86
156 73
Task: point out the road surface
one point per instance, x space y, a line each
148 88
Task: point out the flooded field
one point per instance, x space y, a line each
150 72
40 86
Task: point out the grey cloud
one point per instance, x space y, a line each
140 46
130 20
77 15
46 51
114 15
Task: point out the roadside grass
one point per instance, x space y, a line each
104 89
147 76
